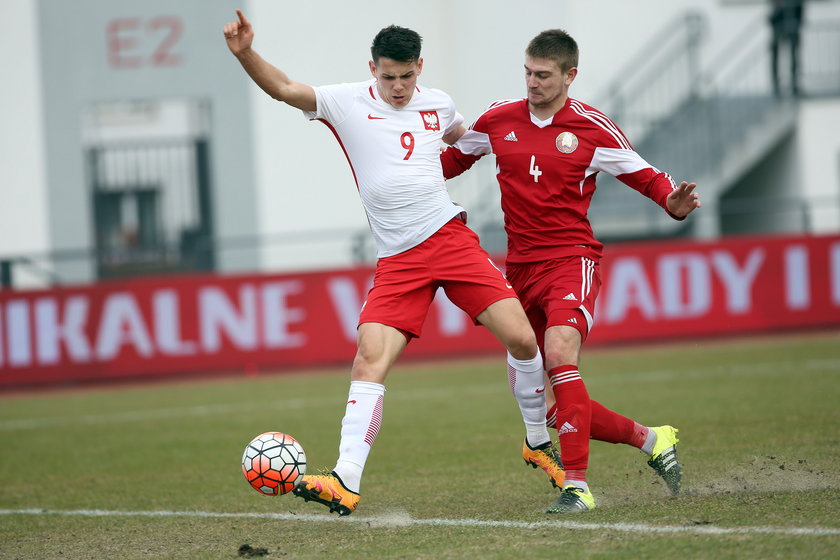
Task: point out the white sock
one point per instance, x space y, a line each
361 422
582 484
527 383
650 442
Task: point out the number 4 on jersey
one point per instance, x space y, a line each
535 170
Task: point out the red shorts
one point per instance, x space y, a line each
405 284
557 292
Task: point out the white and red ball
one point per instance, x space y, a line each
273 463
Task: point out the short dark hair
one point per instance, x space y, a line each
556 45
397 43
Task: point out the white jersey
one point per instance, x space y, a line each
395 158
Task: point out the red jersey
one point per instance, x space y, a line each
546 172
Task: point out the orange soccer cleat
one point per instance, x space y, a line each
328 489
545 456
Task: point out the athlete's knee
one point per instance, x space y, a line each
507 321
522 344
369 364
562 346
559 356
366 368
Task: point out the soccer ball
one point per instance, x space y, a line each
273 463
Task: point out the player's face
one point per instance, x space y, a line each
548 85
396 81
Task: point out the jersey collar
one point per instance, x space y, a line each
531 117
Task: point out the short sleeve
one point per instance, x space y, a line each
332 102
455 119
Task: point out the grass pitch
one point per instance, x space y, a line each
153 471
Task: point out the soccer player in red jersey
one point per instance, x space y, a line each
391 129
549 150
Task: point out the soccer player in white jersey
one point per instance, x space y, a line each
549 149
391 129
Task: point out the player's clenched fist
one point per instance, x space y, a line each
239 34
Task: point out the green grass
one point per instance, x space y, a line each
759 422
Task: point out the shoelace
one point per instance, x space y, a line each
552 452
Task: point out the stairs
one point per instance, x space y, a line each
713 136
711 141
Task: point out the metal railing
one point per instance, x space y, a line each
732 119
662 76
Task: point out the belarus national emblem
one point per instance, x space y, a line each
566 142
430 120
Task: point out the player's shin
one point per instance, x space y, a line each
611 427
362 419
574 416
528 386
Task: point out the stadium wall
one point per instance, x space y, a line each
144 328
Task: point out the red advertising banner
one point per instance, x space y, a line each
670 290
145 327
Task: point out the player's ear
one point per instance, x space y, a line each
419 65
372 68
571 75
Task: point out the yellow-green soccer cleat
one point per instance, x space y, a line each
664 457
573 500
328 489
545 456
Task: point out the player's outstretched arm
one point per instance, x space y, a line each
239 35
683 200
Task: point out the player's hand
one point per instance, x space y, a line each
683 200
239 34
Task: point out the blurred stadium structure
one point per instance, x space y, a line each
156 201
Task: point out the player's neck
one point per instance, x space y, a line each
544 112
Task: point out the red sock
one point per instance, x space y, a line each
574 415
608 425
612 427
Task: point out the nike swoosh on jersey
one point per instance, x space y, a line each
371 117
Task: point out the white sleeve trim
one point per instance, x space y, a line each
474 143
618 161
